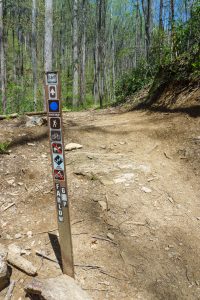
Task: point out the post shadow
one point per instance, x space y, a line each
56 248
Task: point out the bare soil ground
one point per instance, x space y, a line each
145 167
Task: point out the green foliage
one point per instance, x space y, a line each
4 147
132 81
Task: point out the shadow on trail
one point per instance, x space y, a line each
29 137
192 111
56 248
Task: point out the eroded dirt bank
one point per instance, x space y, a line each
144 167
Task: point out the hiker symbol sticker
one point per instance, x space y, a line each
55 123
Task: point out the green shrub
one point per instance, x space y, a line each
132 81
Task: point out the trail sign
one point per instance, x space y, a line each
54 112
52 92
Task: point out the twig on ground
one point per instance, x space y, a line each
112 276
99 290
103 239
9 206
167 156
43 255
107 202
80 233
10 291
80 221
152 149
42 232
87 266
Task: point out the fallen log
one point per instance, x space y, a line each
62 288
10 291
15 259
14 116
4 274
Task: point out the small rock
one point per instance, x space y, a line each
18 236
33 243
31 144
73 146
35 121
110 236
146 189
62 288
20 183
29 234
11 181
103 205
90 157
103 147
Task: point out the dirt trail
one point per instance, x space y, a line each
145 167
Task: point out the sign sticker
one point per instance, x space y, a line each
52 78
59 175
55 123
57 148
54 106
55 136
52 92
58 162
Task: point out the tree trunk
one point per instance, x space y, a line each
147 20
100 51
83 52
96 57
48 43
172 27
3 61
75 53
34 54
161 16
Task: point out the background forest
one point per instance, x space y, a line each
105 50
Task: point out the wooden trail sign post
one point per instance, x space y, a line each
54 113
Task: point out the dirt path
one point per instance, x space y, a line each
145 167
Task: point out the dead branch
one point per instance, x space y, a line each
10 291
103 239
7 207
43 255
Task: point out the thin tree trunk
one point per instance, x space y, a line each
147 18
83 52
161 16
34 54
96 56
48 44
172 27
3 62
75 53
